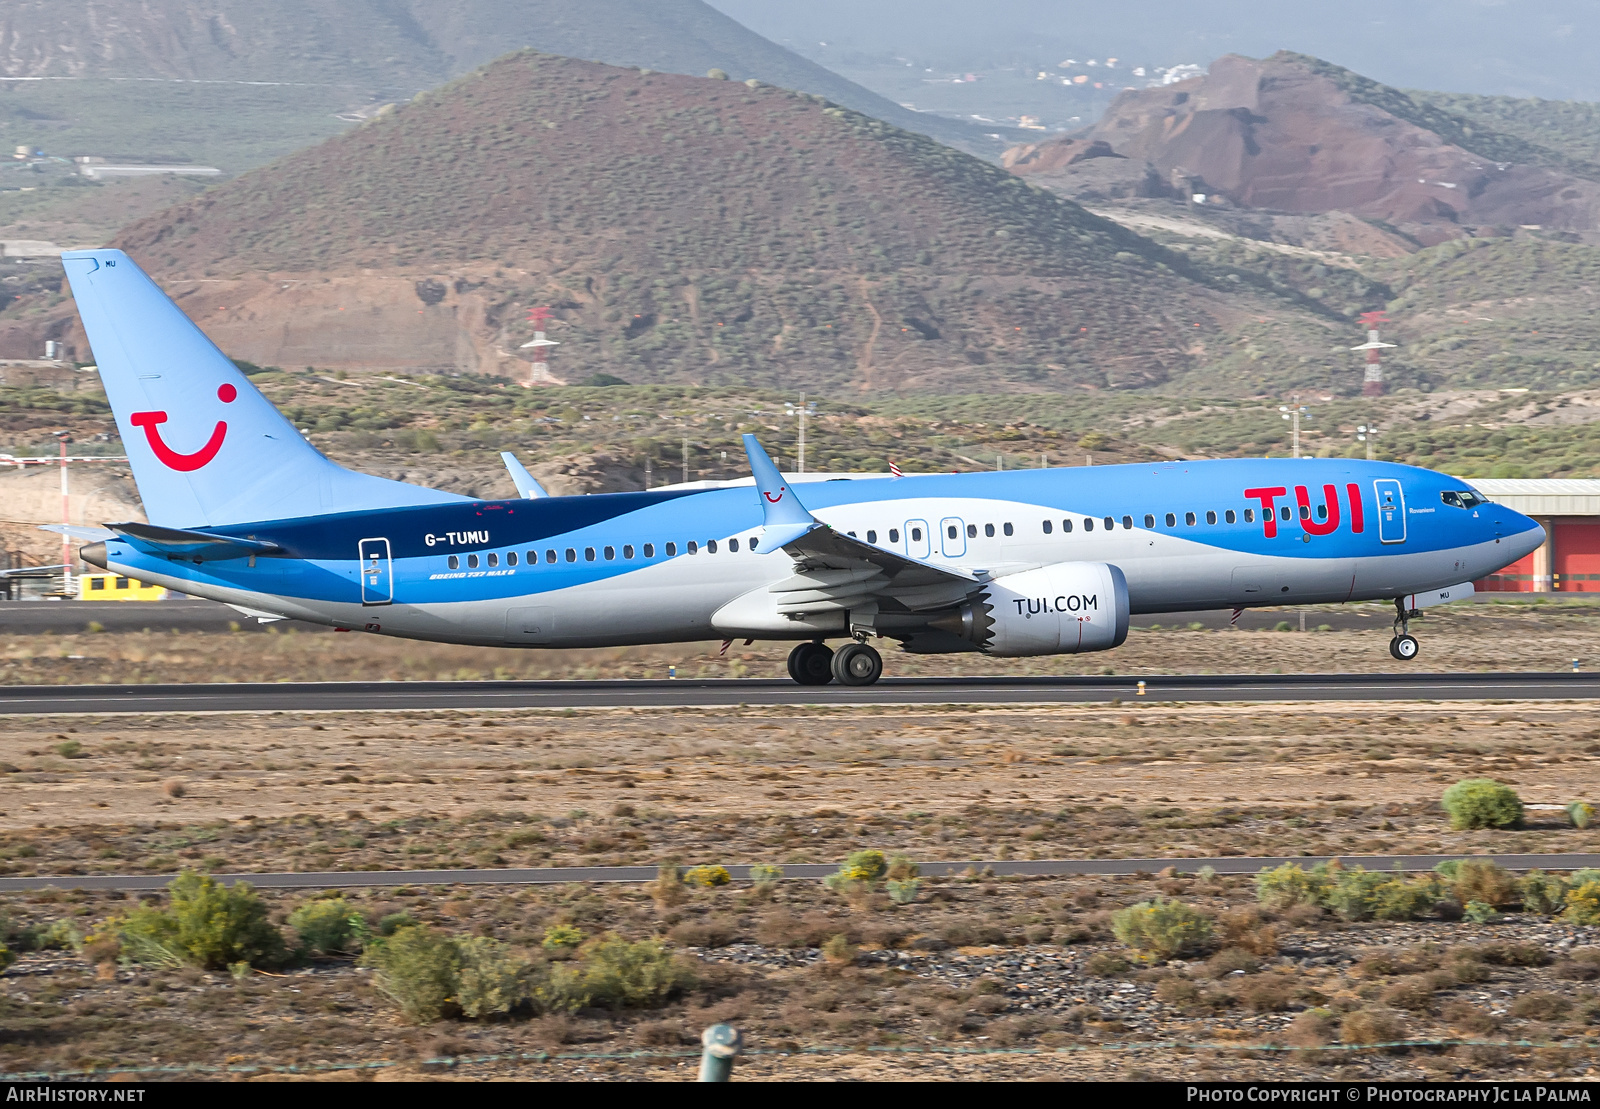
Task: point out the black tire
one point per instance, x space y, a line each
1406 648
857 664
810 664
1392 651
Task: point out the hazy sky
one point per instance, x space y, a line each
1547 48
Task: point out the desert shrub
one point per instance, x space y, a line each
1371 1026
1482 803
1541 892
1467 1017
1361 894
393 922
1267 993
1583 903
1581 813
711 932
765 874
1230 959
624 975
416 968
58 936
207 924
1312 1028
7 957
668 889
860 869
1480 880
492 978
901 868
706 877
328 925
563 937
1245 928
1414 992
1481 912
903 891
1105 964
1540 1005
1286 886
839 950
1512 954
1178 991
1162 928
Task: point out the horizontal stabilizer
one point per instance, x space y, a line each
190 546
88 533
527 488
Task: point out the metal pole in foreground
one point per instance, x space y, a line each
721 1042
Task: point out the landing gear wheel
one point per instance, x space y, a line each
857 664
809 664
1404 647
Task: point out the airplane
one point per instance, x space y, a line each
244 510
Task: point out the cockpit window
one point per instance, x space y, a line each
1462 498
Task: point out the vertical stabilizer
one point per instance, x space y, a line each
205 446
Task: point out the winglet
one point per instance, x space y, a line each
784 518
527 488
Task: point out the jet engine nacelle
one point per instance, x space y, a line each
1055 610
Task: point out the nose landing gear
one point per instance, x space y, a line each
1404 645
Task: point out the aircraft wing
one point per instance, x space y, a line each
834 571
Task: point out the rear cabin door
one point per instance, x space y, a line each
377 572
1391 510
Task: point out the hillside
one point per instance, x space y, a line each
1295 134
394 48
685 230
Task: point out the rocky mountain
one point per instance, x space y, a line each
398 47
1294 134
682 229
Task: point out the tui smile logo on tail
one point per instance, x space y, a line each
175 460
779 497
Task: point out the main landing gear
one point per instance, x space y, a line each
818 664
1404 645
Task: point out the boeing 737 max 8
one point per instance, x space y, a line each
243 510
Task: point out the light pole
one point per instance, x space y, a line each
1365 434
802 410
1293 413
67 561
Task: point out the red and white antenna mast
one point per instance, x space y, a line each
540 372
1372 382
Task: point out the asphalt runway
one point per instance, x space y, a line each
1036 868
731 692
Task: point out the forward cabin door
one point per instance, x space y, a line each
377 572
1391 510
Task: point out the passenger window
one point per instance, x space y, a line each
916 535
1322 512
494 560
692 547
851 534
1066 527
472 562
711 544
672 549
1048 527
972 530
1283 512
1127 522
1088 524
1149 520
1211 517
611 554
1188 519
1249 515
511 558
952 530
872 537
649 550
753 541
1006 528
894 535
588 554
1172 521
1231 516
1305 512
627 550
733 544
550 555
572 554
1110 523
988 530
455 563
